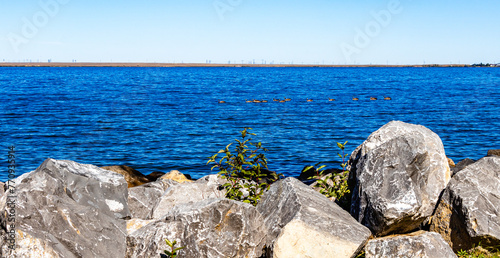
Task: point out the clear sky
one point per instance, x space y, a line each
312 32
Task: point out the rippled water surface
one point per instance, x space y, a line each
159 119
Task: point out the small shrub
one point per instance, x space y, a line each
478 251
244 169
173 251
333 184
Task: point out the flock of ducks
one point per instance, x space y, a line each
289 99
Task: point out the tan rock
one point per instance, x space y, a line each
450 162
297 239
132 176
176 176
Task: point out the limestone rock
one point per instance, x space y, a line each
69 209
418 244
132 176
468 212
210 228
303 223
397 174
204 188
144 198
176 176
494 152
461 165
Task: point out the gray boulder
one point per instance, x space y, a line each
397 174
204 188
144 198
303 223
2 190
468 212
66 209
209 228
419 244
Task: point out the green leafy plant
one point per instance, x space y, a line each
173 251
333 185
245 169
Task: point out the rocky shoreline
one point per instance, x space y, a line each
407 199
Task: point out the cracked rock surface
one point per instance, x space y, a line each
397 175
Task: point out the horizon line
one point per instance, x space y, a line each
154 64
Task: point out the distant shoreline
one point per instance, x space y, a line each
109 64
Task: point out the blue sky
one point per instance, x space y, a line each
311 32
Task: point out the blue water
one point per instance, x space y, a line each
159 119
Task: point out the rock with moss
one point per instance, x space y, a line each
396 178
468 212
67 209
418 244
301 222
209 228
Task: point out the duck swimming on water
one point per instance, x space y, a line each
221 101
387 98
355 98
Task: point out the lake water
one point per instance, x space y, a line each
159 119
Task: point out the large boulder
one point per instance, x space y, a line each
468 212
132 176
144 198
397 174
418 244
209 228
67 209
303 223
204 188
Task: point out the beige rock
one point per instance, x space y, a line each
132 176
451 163
176 176
297 239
